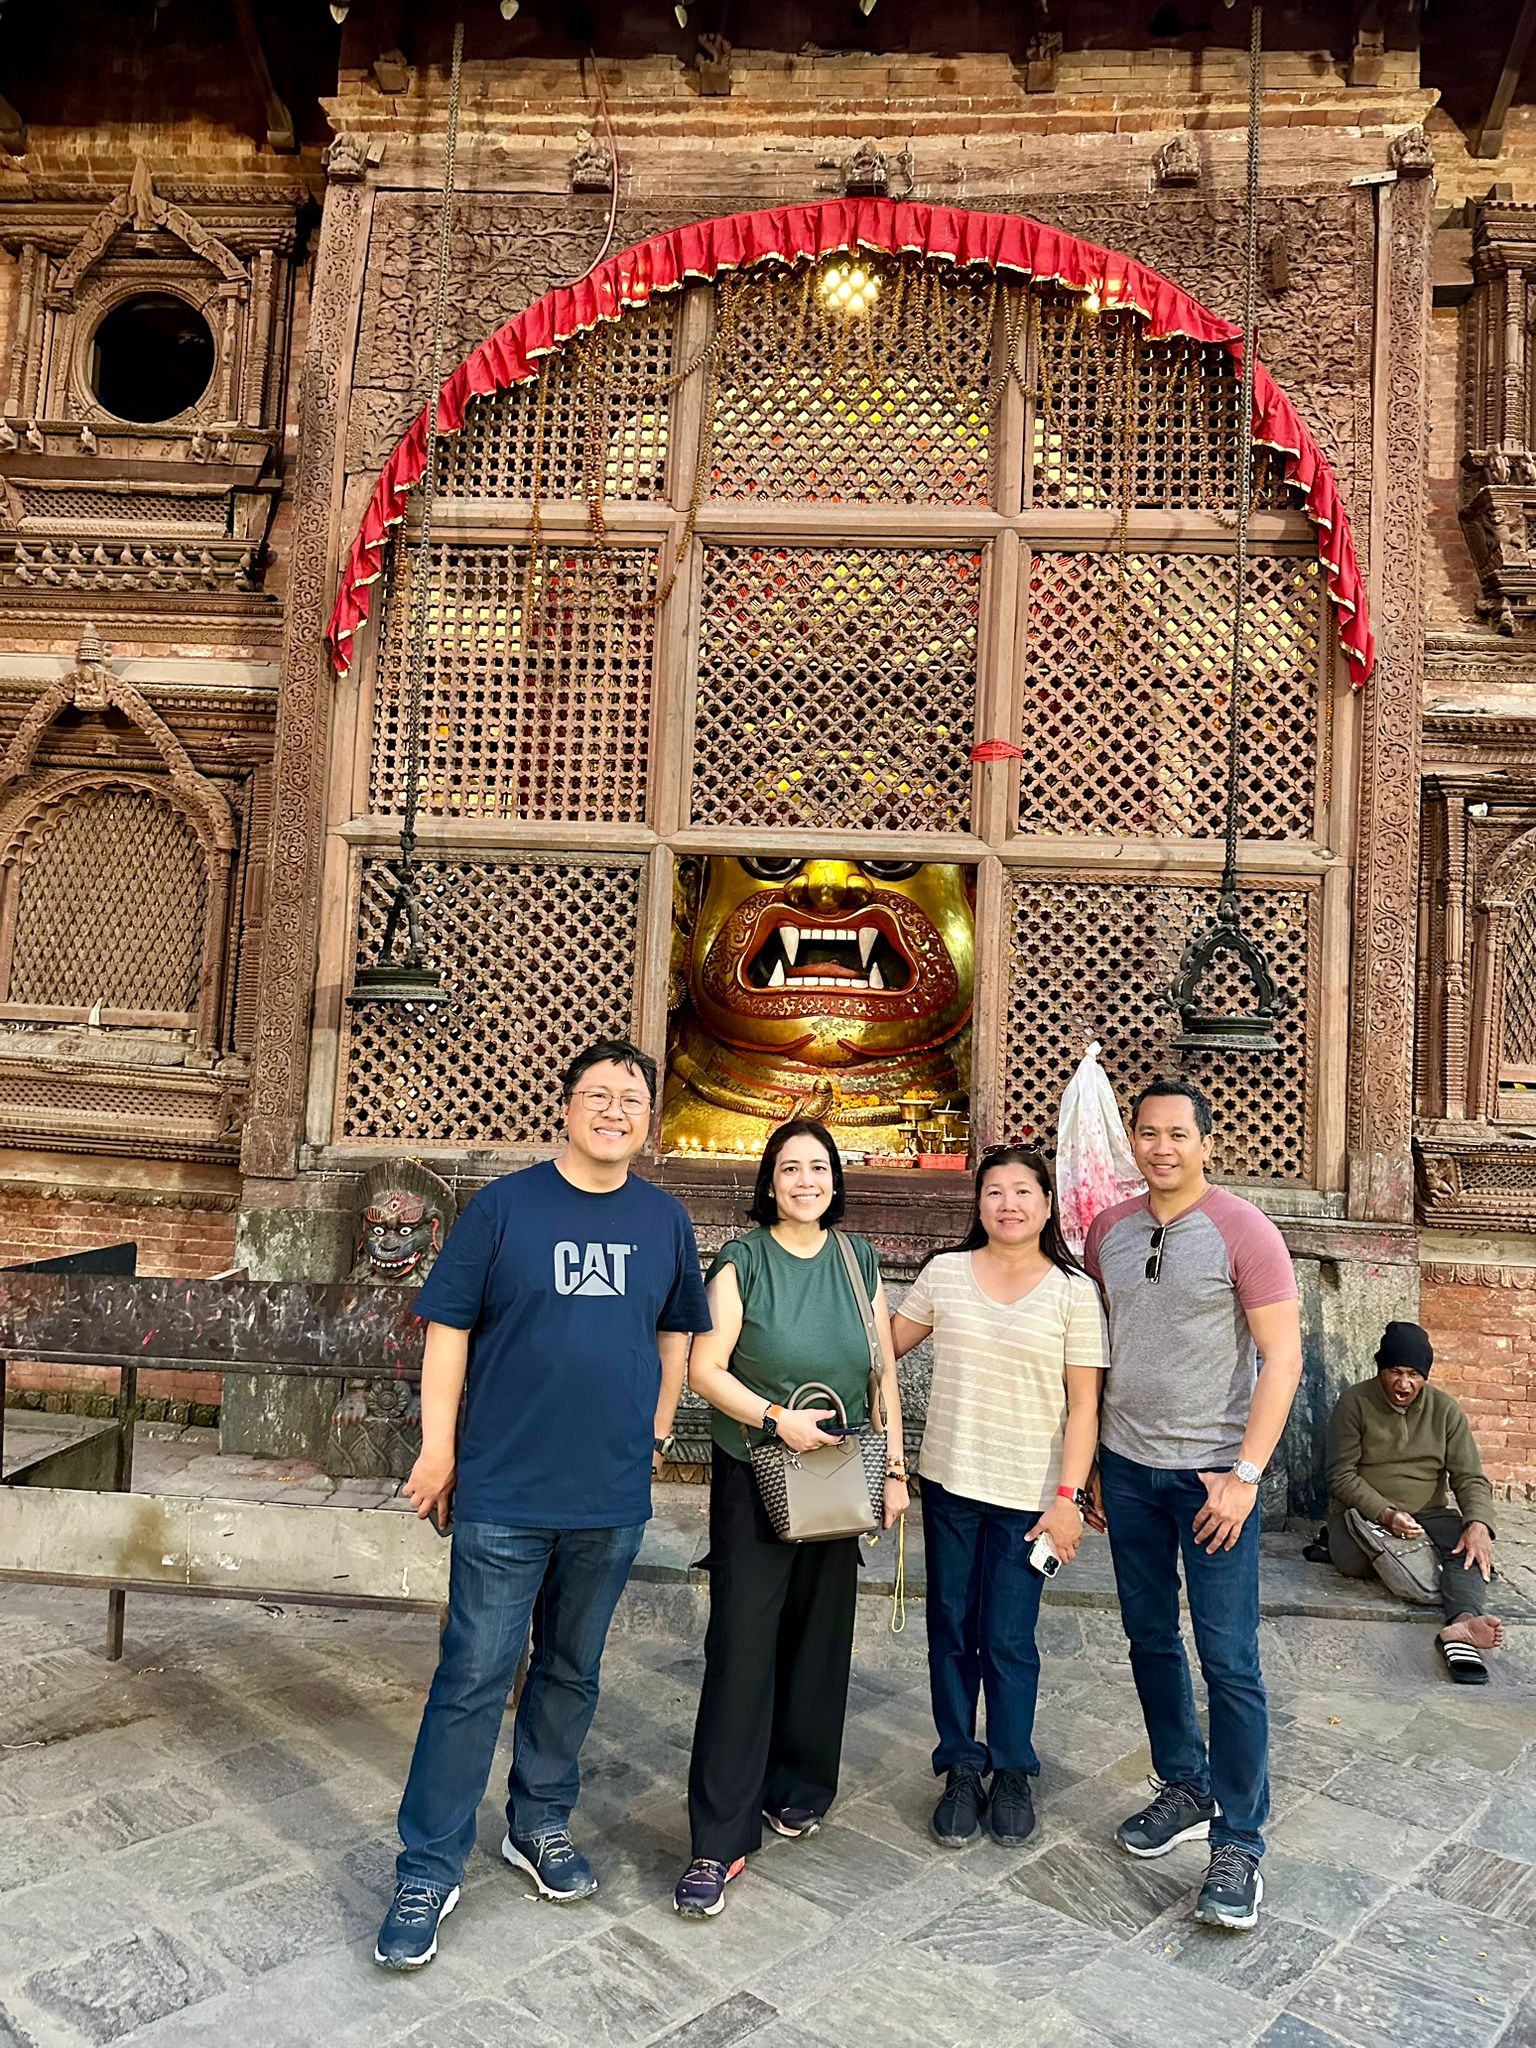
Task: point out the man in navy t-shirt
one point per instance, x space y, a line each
560 1310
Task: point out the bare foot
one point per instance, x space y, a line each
1482 1631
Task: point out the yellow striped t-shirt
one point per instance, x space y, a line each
997 1406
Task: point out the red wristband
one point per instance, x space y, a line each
1067 1493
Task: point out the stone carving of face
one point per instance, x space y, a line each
398 1233
832 963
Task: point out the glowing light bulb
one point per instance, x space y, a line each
508 9
682 14
1093 303
339 10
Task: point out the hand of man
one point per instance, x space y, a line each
1475 1546
1228 1505
1063 1523
430 1486
1094 1514
1400 1523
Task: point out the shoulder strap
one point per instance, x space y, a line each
855 1271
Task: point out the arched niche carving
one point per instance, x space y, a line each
35 800
1506 905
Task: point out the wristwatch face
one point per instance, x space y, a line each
1249 1474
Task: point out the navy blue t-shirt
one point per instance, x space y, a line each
563 1292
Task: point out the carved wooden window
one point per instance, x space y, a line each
106 903
949 584
1517 1065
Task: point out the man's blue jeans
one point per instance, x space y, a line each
983 1602
1151 1516
566 1583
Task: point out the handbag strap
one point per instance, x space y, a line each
855 1271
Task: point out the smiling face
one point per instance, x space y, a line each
832 962
609 1113
397 1234
1168 1147
1013 1205
802 1180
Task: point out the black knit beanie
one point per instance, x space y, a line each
1405 1345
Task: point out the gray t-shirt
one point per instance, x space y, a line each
1182 1360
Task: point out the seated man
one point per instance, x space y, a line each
1395 1445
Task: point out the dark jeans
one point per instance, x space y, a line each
1151 1517
566 1582
983 1603
776 1659
1462 1589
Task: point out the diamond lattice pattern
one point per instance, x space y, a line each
112 901
1093 376
837 687
606 406
892 405
552 727
1124 709
1520 985
538 958
1093 960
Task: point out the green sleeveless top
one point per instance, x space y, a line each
799 1322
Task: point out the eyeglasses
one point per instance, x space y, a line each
596 1100
1155 1255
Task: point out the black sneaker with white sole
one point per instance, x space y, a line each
1011 1808
1232 1890
408 1938
1177 1814
554 1863
957 1817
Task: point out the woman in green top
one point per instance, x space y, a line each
769 1734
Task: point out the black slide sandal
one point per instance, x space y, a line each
1463 1662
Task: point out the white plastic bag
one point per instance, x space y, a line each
1094 1166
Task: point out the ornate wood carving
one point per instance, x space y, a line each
272 1135
1386 880
1498 510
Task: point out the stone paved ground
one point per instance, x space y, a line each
195 1846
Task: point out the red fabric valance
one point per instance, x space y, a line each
789 234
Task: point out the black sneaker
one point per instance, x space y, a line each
793 1821
700 1892
408 1938
1011 1809
554 1863
1176 1815
957 1817
1232 1890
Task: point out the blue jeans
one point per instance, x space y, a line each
983 1603
566 1583
1151 1517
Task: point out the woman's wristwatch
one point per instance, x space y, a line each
1078 1496
897 1470
770 1422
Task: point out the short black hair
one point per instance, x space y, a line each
1175 1084
622 1053
765 1204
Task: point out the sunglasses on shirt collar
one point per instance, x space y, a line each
1155 1252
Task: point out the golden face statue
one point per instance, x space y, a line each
832 963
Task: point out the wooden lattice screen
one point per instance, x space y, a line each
111 901
788 570
1519 1060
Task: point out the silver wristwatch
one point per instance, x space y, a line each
1250 1474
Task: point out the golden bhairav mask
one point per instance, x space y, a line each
832 963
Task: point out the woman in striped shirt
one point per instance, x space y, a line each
1019 1344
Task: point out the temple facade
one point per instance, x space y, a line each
815 657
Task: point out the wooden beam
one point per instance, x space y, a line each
280 130
1490 139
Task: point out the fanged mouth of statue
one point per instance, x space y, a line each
847 959
396 1261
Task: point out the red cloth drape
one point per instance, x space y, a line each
1007 242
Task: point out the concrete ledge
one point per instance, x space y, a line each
234 1548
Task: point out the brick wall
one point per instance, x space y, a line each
174 1241
1482 1322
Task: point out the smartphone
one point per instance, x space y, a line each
1043 1557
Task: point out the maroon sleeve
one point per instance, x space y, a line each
1096 1234
1262 1271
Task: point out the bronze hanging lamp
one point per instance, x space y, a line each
1205 1026
411 978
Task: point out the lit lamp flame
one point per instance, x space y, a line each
848 288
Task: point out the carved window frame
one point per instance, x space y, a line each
1508 888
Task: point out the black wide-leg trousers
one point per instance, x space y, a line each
776 1660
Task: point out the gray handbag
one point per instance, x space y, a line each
1408 1566
837 1490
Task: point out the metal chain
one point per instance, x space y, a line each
422 582
1239 678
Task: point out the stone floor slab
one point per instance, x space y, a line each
121 1988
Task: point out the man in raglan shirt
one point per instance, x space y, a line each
560 1308
1198 1286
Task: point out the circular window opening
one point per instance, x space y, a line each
151 358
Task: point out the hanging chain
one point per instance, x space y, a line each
422 581
1239 679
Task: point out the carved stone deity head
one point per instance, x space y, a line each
405 1213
